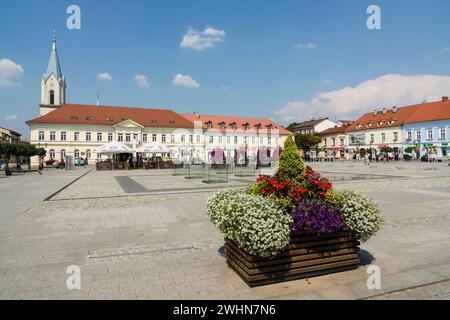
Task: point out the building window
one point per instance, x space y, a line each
430 134
88 154
269 140
120 137
127 137
163 138
342 142
228 139
261 140
396 136
383 137
235 139
253 140
76 136
211 139
52 154
418 135
220 139
183 138
63 136
52 97
333 141
63 154
324 141
52 136
110 137
144 137
77 153
198 138
442 133
135 137
99 155
191 138
409 135
41 135
88 136
172 138
154 137
99 136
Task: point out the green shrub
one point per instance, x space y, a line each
360 213
255 223
291 164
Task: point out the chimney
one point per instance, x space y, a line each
394 109
444 99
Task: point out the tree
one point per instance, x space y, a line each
19 149
291 166
292 126
308 141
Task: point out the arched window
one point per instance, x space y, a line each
52 97
77 153
52 154
88 154
63 154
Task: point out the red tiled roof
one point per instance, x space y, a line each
240 123
109 116
399 118
335 130
310 123
432 111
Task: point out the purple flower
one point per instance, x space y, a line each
316 217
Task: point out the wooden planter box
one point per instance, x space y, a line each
304 257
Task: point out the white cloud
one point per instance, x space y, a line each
445 50
142 81
200 40
185 81
225 88
9 70
105 76
11 117
386 91
308 45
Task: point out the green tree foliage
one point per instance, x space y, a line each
292 126
308 141
291 163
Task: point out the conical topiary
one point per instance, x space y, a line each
291 164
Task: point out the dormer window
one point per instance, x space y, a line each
153 121
172 122
109 119
209 124
233 125
258 126
270 126
222 125
246 126
74 118
89 118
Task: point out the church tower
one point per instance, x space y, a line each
53 84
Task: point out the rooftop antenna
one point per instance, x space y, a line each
98 99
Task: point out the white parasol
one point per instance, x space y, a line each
113 148
154 147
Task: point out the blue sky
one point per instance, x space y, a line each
287 60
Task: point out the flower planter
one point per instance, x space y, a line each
304 257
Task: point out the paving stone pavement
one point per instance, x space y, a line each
161 245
